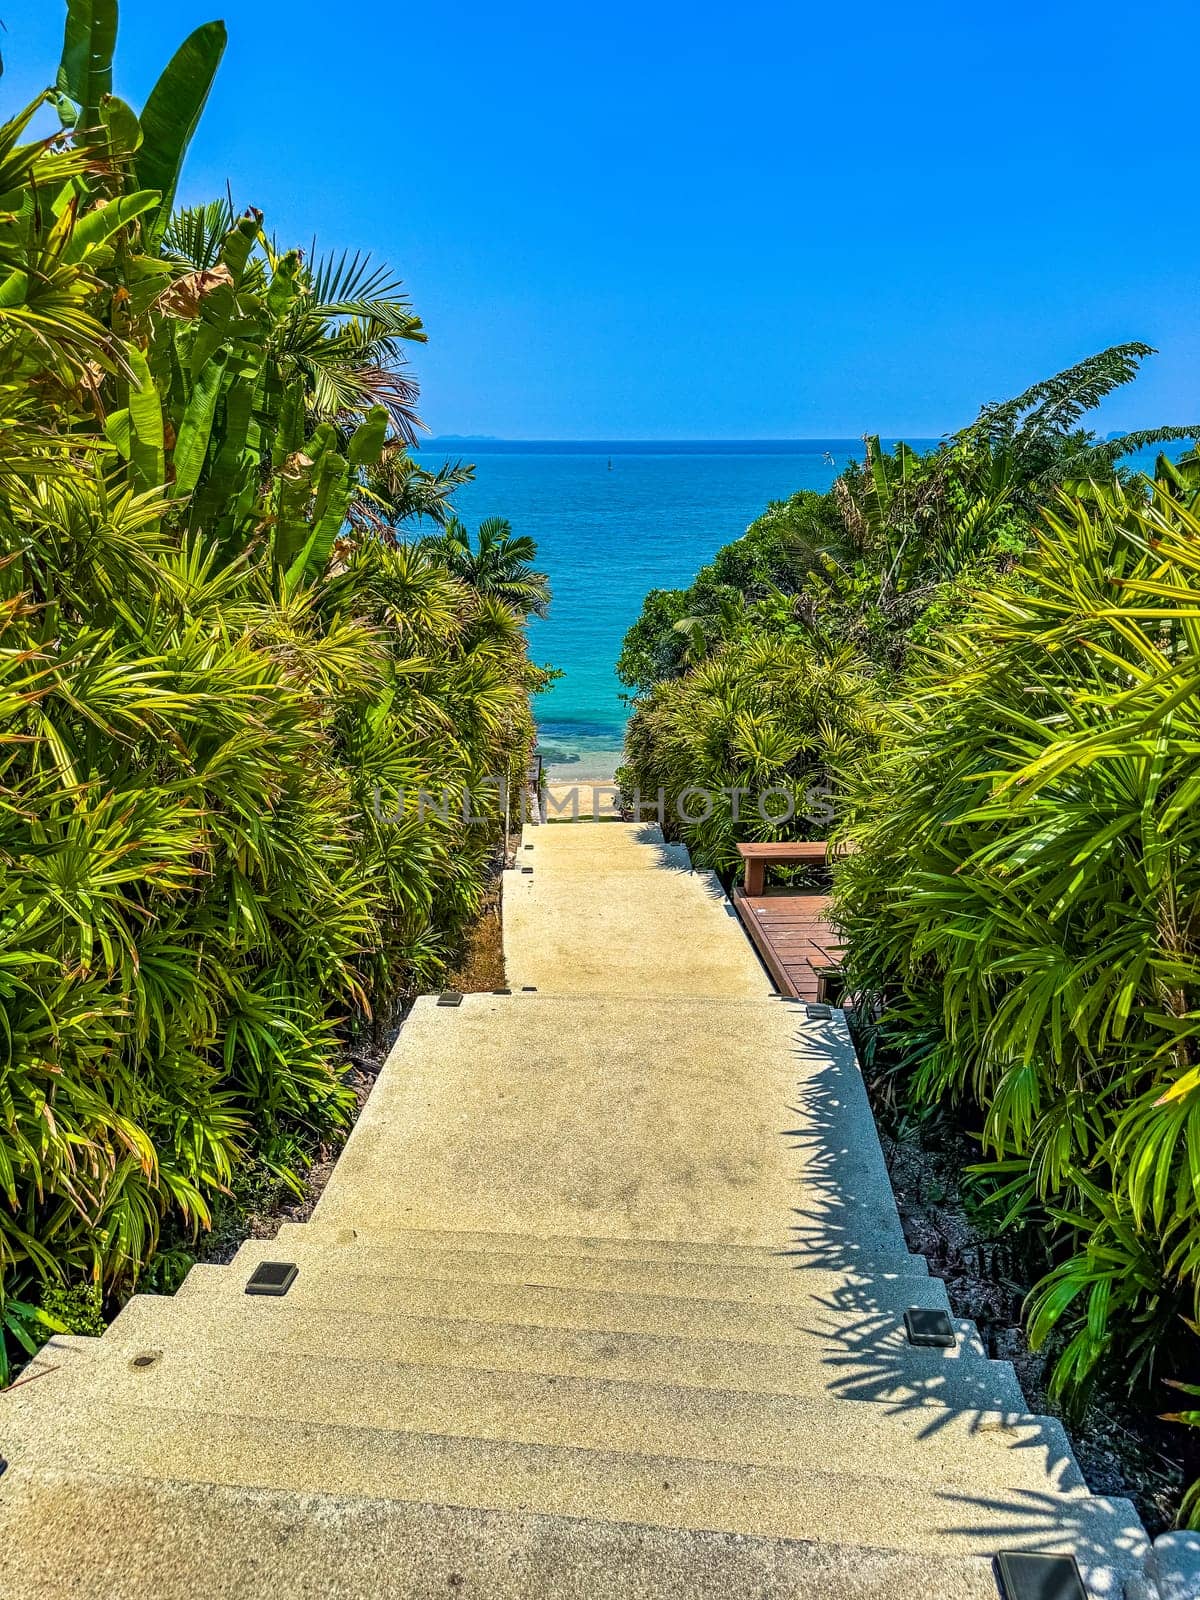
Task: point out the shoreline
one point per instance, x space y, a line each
582 773
595 764
588 800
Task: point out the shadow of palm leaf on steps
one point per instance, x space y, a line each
846 1211
1106 1537
846 1222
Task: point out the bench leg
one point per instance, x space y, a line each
756 873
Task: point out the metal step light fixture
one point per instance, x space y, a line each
273 1277
929 1329
1028 1575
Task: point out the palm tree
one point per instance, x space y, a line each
1039 434
499 564
337 321
397 489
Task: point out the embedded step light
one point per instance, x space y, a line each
929 1329
1026 1575
449 997
273 1277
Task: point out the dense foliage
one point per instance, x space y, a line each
222 681
1023 902
1021 620
850 581
746 737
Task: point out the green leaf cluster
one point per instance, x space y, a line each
1022 911
221 671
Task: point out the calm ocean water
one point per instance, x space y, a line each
606 537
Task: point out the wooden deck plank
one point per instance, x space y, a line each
793 935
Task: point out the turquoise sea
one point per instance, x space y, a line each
608 536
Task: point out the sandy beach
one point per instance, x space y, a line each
588 800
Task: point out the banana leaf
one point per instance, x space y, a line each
85 71
195 430
146 453
172 113
94 227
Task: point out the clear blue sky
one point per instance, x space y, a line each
767 220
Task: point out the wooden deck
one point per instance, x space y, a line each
792 933
790 928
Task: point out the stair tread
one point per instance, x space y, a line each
645 932
958 1445
173 1540
752 1127
872 1311
775 1284
860 1347
667 1491
789 1255
690 1361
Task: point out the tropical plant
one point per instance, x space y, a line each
1035 441
397 491
1021 909
500 563
895 550
215 691
743 746
678 627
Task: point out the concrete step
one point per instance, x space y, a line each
152 1322
857 1354
613 847
597 1486
694 892
69 1535
926 1443
669 1251
765 1285
633 933
741 1122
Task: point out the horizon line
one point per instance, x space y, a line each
827 439
748 438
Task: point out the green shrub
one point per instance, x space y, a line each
219 672
75 1308
1021 909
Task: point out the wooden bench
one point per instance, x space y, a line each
758 857
790 928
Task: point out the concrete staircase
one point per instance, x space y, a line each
604 1299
